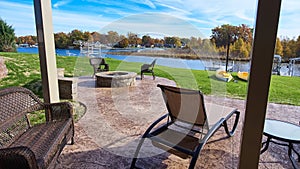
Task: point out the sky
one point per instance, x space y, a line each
183 18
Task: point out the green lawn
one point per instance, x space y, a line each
24 71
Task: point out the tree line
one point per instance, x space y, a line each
238 38
235 41
213 46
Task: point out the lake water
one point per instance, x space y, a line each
170 62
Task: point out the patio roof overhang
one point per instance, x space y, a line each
262 57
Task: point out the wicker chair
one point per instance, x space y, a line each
148 68
23 145
188 125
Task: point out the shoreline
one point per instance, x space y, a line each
169 54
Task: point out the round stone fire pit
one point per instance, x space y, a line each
115 79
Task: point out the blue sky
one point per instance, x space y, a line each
182 18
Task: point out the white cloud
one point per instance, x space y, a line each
290 6
180 11
116 12
64 21
149 3
145 2
289 24
155 23
61 3
121 8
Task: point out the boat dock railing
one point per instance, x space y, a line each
293 66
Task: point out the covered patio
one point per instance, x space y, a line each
106 136
241 151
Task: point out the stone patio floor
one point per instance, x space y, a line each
106 136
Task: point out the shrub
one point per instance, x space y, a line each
7 37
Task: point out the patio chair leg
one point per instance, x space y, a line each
193 162
135 157
153 75
72 140
195 156
142 75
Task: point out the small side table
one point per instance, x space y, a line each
285 132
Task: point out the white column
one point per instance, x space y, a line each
258 88
44 28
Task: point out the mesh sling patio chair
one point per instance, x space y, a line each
188 125
99 65
148 68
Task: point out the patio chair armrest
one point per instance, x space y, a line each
17 157
232 131
59 111
154 124
211 131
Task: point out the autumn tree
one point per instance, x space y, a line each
173 41
61 40
29 39
227 35
286 50
95 36
147 41
133 39
177 42
113 37
195 43
87 36
298 46
245 33
239 49
291 48
292 45
207 47
76 35
7 37
103 39
185 41
278 47
224 35
123 43
156 40
169 41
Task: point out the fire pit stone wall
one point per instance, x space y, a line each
115 79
